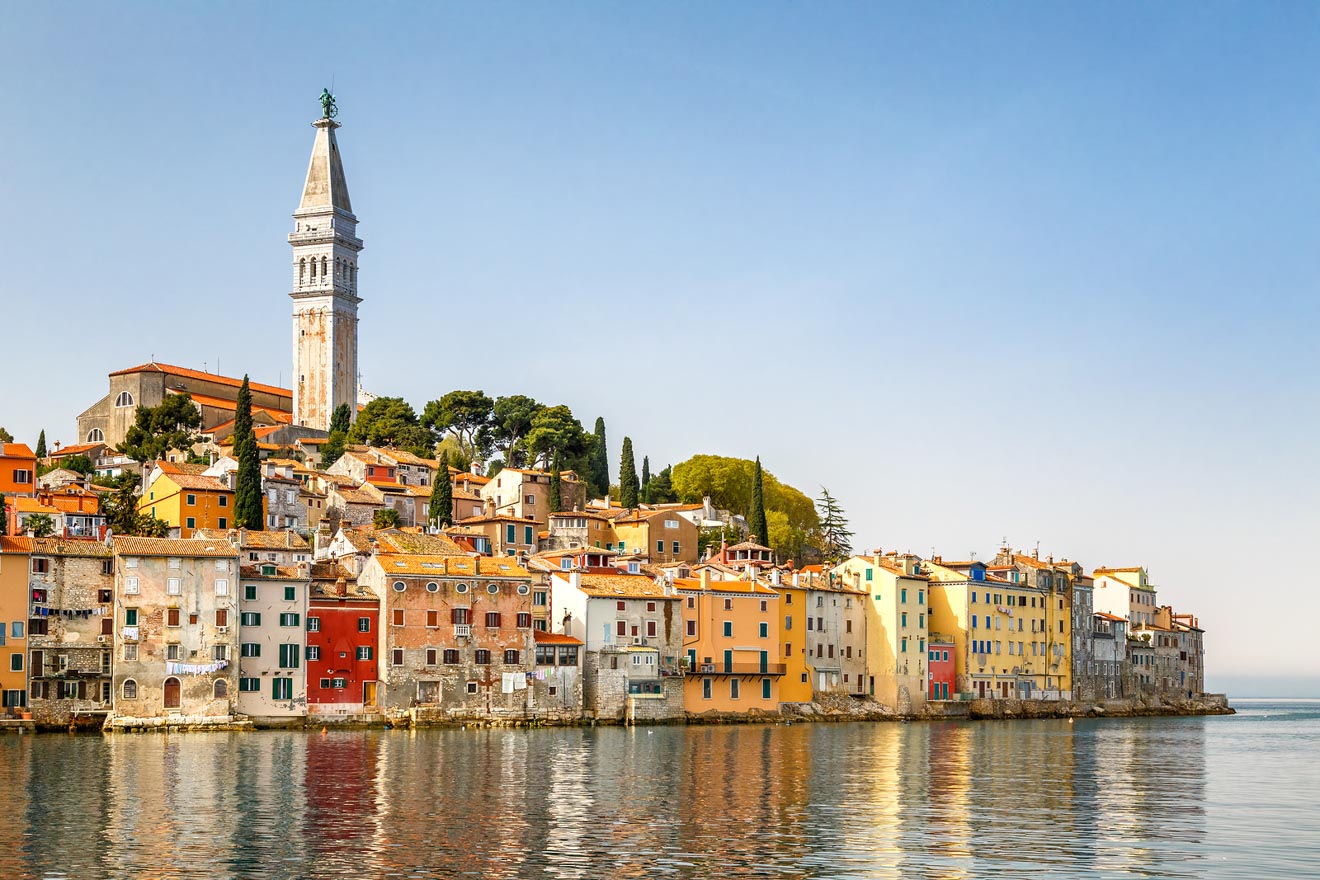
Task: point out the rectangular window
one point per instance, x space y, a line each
219 652
222 617
130 616
290 594
224 502
765 630
290 619
40 566
224 523
191 500
250 592
431 656
281 688
313 624
289 656
432 618
728 628
250 618
172 586
364 624
481 656
172 616
691 627
396 657
173 652
510 533
249 685
364 652
675 545
396 618
765 688
650 627
660 546
313 652
249 649
511 657
524 620
705 688
733 688
493 619
539 598
528 538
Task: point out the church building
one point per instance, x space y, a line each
325 324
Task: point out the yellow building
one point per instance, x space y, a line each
795 686
15 560
1053 584
896 626
187 500
730 641
999 630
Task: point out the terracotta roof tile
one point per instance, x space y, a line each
171 370
548 638
626 585
439 566
130 545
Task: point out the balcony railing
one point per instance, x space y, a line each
462 630
739 669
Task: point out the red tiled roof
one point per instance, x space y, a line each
548 638
171 370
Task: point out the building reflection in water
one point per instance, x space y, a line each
945 800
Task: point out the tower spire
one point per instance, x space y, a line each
325 292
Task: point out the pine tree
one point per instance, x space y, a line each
247 489
442 495
835 539
756 516
627 476
600 461
556 488
41 444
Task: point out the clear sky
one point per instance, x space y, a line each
1041 271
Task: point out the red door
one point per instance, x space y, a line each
172 693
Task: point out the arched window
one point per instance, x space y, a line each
96 435
325 267
130 689
313 268
124 399
221 689
302 270
173 695
352 273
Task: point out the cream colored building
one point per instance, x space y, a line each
896 626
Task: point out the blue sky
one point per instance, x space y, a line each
1038 271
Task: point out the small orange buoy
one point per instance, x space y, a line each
322 731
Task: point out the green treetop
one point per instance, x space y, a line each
628 485
442 495
41 444
756 521
248 513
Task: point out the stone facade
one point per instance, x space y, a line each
70 632
176 629
325 287
272 606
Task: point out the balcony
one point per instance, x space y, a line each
739 669
462 630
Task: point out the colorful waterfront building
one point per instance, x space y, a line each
18 469
823 631
187 500
272 619
897 625
1126 592
730 637
343 640
941 651
15 560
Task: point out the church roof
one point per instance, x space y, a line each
325 186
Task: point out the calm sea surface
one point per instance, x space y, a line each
1172 797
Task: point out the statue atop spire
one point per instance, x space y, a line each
328 108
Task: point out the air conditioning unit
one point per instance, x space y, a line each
708 667
638 640
222 629
101 640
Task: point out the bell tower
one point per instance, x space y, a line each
325 284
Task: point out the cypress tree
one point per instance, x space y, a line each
556 488
41 444
4 516
600 461
646 479
756 516
442 495
627 476
248 513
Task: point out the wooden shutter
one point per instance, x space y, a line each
222 617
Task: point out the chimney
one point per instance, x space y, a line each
575 579
705 579
341 587
797 579
775 577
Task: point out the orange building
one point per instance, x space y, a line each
731 645
18 469
15 559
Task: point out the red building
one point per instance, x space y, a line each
940 660
343 629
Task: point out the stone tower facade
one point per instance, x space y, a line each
325 288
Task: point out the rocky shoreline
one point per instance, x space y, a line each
831 709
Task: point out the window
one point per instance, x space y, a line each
289 656
400 586
728 604
364 624
364 652
902 595
524 620
281 689
733 688
482 656
765 630
728 628
221 587
621 628
96 435
650 627
290 594
249 685
313 624
510 533
129 689
124 399
224 502
171 616
190 500
250 618
172 586
173 652
432 587
313 652
493 619
130 616
765 688
660 546
130 652
250 592
705 688
396 618
511 657
222 617
219 652
396 657
492 588
290 619
471 687
691 627
451 656
249 649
